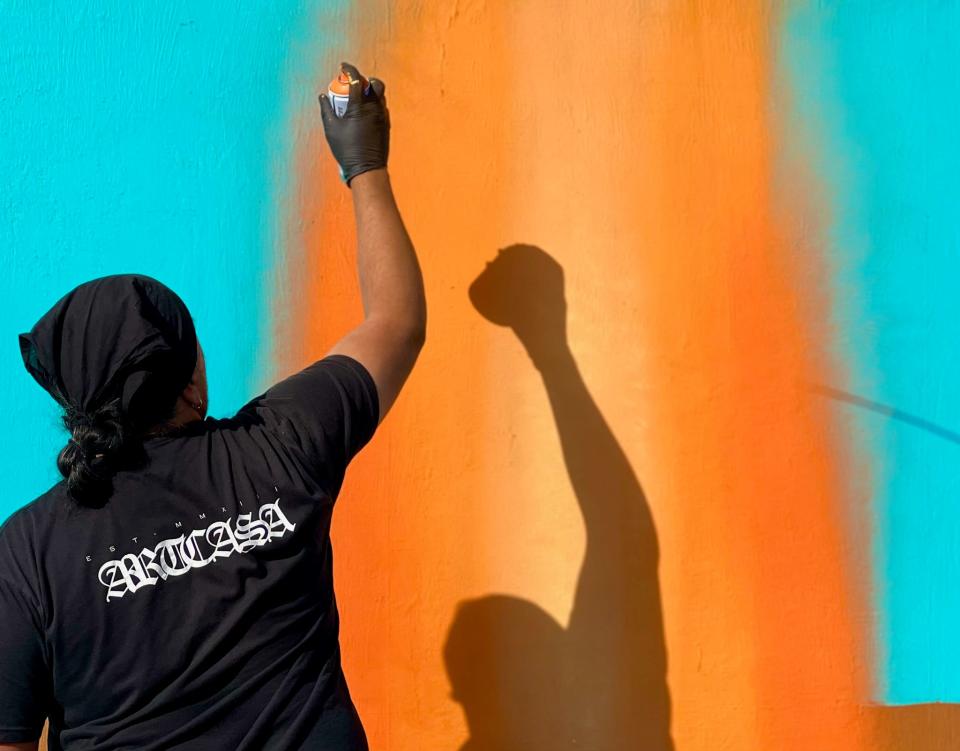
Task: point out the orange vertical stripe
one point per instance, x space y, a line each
746 451
406 542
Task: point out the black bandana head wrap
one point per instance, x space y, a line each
125 336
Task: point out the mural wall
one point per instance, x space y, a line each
684 428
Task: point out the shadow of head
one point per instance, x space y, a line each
501 658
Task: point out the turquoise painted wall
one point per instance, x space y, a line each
147 137
877 87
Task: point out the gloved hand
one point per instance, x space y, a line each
360 140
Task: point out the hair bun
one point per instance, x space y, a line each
94 451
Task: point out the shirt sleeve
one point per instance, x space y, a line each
24 676
327 412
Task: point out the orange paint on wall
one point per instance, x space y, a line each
749 454
410 526
664 487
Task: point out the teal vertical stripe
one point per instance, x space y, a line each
151 138
876 87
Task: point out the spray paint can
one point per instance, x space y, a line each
339 92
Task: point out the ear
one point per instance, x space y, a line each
191 393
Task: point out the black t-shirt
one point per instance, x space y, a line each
195 610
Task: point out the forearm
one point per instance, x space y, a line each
391 283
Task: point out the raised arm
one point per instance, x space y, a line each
393 332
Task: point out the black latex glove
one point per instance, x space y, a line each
360 140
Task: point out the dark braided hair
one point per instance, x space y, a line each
103 442
96 447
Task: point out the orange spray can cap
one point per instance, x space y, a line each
339 92
341 84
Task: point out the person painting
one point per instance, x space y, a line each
175 589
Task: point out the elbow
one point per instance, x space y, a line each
409 332
418 329
417 336
411 335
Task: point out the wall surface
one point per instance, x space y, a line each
684 428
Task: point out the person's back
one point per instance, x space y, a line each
194 608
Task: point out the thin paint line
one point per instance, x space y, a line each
892 412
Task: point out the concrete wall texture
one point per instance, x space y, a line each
686 422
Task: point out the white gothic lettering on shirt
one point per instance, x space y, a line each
178 555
